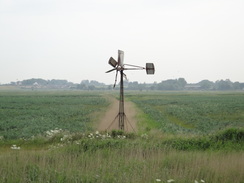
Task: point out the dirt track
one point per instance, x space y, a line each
108 121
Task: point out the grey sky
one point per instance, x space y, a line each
73 40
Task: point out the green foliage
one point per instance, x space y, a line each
115 133
231 134
189 144
27 114
32 173
191 113
140 159
229 139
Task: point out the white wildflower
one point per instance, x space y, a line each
108 136
144 136
98 135
170 180
15 147
65 138
202 180
103 136
90 136
51 133
195 181
158 180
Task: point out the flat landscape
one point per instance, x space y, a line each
67 136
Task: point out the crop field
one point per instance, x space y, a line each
26 114
50 136
191 113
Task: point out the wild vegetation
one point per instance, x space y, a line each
121 157
159 152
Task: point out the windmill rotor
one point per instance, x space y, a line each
120 58
119 66
112 62
124 75
111 70
115 79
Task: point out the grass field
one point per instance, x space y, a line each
182 137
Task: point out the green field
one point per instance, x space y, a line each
191 113
182 137
27 114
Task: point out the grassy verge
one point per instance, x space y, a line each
119 157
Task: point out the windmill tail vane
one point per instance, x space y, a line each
119 66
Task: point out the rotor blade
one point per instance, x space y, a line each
125 76
115 78
120 58
111 70
112 62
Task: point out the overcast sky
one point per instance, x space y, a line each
73 40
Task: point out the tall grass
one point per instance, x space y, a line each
135 159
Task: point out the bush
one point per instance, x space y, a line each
231 134
189 144
116 133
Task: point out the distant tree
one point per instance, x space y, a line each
82 87
142 86
171 84
57 82
133 85
91 87
86 82
182 82
206 84
109 87
223 85
95 83
236 86
242 86
30 82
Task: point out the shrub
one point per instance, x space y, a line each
231 134
116 133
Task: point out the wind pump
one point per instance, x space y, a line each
119 66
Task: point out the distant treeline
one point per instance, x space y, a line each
167 85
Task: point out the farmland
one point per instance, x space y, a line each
49 136
191 113
26 114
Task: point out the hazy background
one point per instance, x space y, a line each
73 40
